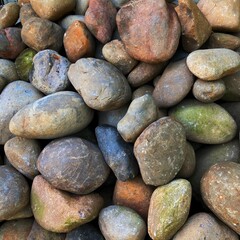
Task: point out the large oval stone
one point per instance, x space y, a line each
56 115
220 187
154 22
205 122
160 151
70 164
169 208
58 211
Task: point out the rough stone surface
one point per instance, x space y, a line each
9 15
160 151
220 187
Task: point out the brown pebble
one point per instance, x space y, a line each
9 15
26 12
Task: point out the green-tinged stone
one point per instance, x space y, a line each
169 208
205 122
24 63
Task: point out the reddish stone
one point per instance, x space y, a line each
100 19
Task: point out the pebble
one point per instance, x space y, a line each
109 88
207 123
220 188
3 83
160 151
49 73
169 208
141 91
116 222
141 113
69 164
23 153
81 6
117 153
26 12
213 64
8 70
60 212
69 19
9 14
25 212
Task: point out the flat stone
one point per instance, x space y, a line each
213 64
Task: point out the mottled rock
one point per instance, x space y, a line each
116 222
81 6
14 192
9 15
134 194
100 19
169 208
11 43
173 85
160 151
208 91
223 16
69 19
141 91
70 164
41 34
49 73
115 53
24 63
25 212
213 64
220 187
141 113
8 70
26 12
109 88
58 211
203 225
22 153
117 153
15 96
78 41
56 115
39 233
207 123
51 9
195 27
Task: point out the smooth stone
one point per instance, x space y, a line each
112 117
207 123
39 233
159 21
23 153
51 9
119 3
85 232
100 19
134 194
14 192
11 43
69 164
115 53
3 83
220 187
49 73
208 155
144 73
141 91
213 64
117 153
81 6
16 229
25 212
189 164
121 223
69 19
78 41
8 70
9 15
60 212
160 151
223 40
109 88
40 34
14 97
208 91
195 27
24 63
223 16
56 115
140 114
173 85
26 12
204 225
169 208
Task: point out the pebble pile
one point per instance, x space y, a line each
119 120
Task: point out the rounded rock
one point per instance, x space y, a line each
8 70
26 12
9 15
141 91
